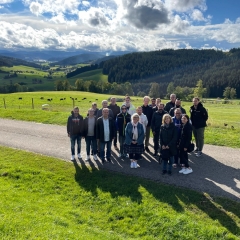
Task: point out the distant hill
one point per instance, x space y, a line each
9 62
103 59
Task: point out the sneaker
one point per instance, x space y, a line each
132 165
95 157
79 156
147 149
195 151
120 155
103 161
187 171
182 170
135 165
115 147
72 158
87 158
169 173
164 172
109 159
199 154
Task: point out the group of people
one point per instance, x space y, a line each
171 127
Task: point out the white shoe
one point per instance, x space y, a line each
95 157
120 155
79 156
187 171
87 158
72 158
135 165
132 165
182 170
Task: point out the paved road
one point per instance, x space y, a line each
216 172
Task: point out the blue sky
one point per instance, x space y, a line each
119 25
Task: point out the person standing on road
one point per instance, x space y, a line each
134 140
142 118
199 117
130 108
105 132
177 105
171 103
168 139
74 131
89 132
100 111
185 141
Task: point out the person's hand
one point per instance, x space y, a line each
163 147
134 142
167 147
185 149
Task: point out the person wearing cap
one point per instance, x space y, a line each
122 119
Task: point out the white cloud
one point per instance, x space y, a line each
35 8
197 15
5 1
185 5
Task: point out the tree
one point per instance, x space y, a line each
128 88
199 90
66 85
170 88
59 85
226 92
79 85
233 93
154 90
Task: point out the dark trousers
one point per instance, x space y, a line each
134 156
199 137
121 142
184 158
102 149
156 140
91 142
74 139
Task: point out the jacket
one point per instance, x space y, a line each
99 113
186 136
128 132
115 109
199 116
85 127
168 137
100 129
168 106
171 112
147 110
157 120
131 110
74 125
121 122
178 125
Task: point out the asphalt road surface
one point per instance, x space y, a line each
216 172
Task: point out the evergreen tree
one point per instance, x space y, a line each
154 90
199 90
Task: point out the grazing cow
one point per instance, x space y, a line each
96 99
20 98
41 97
75 98
64 99
61 99
49 99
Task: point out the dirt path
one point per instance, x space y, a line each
216 172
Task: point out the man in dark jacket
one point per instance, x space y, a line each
123 118
177 105
105 132
100 111
171 103
116 110
199 117
156 124
147 110
74 131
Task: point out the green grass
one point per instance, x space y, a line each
46 198
95 75
216 132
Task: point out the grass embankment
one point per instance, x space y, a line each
216 132
44 198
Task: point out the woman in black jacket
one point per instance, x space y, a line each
168 142
185 141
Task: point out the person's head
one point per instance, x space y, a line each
104 103
139 110
113 100
178 103
75 111
177 113
90 112
158 100
105 112
94 106
166 119
127 100
153 100
135 118
173 97
124 109
196 101
146 100
185 118
160 107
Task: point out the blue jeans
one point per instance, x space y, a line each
74 139
121 142
91 142
168 162
102 149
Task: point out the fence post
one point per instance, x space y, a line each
4 103
32 104
73 103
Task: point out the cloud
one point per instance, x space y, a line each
145 14
185 5
5 1
197 15
35 8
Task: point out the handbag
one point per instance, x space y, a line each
191 147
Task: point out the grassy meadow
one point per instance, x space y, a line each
217 132
46 198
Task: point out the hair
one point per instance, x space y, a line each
126 96
134 115
104 101
161 104
186 116
178 109
76 108
90 109
173 95
112 98
94 104
139 107
165 116
158 99
153 98
105 109
147 97
197 98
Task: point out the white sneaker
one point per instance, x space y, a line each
132 165
87 158
95 157
79 156
120 155
187 171
72 158
182 170
135 165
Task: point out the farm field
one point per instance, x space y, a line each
47 198
223 124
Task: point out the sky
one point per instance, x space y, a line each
119 25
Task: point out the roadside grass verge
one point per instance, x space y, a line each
223 124
46 198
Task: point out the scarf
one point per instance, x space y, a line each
135 131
